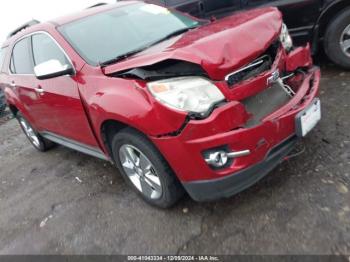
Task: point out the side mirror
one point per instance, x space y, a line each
51 69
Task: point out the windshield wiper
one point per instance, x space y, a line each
128 54
175 33
122 57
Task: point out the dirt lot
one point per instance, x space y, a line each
63 202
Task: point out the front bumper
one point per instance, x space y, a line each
207 190
226 127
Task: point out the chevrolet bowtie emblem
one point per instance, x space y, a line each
273 78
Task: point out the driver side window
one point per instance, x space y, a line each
45 49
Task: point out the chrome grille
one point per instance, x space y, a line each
255 68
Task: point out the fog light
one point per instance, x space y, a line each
217 159
221 157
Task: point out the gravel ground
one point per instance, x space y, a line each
63 202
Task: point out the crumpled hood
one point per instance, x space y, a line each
219 47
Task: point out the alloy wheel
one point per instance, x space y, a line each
141 172
30 132
345 41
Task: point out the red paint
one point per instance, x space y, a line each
201 135
300 57
220 48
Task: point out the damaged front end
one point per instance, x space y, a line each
247 136
258 88
241 103
163 70
187 73
257 115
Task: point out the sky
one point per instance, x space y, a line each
14 13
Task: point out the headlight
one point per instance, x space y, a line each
191 94
285 38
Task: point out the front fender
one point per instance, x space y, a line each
129 102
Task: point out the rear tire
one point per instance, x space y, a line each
145 169
338 31
39 143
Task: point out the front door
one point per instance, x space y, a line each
60 96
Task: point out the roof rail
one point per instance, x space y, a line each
96 5
22 27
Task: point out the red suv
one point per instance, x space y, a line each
178 104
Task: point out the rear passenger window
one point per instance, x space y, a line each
45 49
21 61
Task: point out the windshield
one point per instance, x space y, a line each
114 33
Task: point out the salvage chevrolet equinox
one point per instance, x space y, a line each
176 103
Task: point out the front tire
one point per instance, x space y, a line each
337 39
39 143
145 169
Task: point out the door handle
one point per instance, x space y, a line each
39 90
13 84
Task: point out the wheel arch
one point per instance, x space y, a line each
328 14
15 106
14 110
109 128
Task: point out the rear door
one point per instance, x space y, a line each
22 81
60 98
